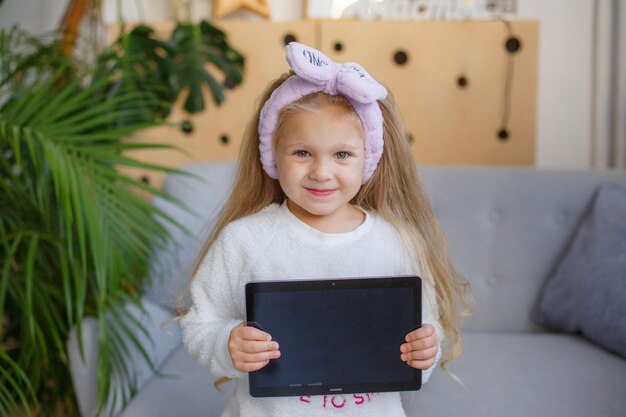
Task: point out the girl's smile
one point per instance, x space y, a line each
319 159
320 193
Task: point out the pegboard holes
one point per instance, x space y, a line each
513 45
186 127
229 83
503 135
290 37
400 57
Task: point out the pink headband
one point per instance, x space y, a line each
315 72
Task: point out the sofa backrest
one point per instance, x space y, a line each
506 230
203 192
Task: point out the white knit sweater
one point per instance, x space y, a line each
274 244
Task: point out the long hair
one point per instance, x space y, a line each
394 191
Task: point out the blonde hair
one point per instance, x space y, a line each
394 191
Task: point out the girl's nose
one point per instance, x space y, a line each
321 170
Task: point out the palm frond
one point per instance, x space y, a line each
73 221
75 233
16 392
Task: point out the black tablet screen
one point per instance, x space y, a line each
341 338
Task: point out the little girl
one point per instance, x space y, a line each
326 187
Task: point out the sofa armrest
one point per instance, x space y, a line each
161 342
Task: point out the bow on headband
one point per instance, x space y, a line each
315 72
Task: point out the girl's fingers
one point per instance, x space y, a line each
420 355
260 357
423 365
258 347
423 332
253 362
419 345
251 349
252 333
250 366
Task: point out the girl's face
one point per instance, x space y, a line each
319 159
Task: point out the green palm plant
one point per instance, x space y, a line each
75 233
75 236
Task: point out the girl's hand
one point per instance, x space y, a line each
421 348
251 349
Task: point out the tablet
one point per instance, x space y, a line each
336 336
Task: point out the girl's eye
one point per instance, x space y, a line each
301 154
342 155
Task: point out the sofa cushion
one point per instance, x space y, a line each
185 390
525 374
159 341
587 292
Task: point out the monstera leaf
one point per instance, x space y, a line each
196 46
162 70
139 63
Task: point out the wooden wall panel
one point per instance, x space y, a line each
450 124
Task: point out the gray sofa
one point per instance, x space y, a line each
507 229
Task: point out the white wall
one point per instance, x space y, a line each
565 97
161 9
564 122
34 16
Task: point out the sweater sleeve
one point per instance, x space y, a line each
215 291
